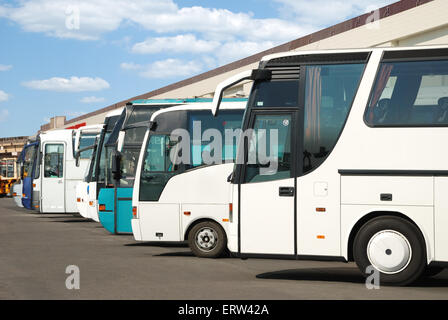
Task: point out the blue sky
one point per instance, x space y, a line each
70 57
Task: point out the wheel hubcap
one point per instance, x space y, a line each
206 239
389 251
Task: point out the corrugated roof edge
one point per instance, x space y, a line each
188 100
386 11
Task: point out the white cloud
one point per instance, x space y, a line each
3 96
130 66
73 84
171 68
92 99
179 43
4 114
95 17
100 16
4 67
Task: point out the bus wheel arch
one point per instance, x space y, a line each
370 216
213 232
405 259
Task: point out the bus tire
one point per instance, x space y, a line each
432 271
394 247
207 239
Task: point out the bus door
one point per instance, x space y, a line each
53 181
160 221
267 185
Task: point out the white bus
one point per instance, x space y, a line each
86 193
186 200
362 168
56 175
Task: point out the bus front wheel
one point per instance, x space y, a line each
207 239
394 247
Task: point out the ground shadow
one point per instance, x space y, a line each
184 254
349 275
58 217
158 244
175 254
439 281
73 221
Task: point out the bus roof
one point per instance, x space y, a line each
226 105
187 100
115 112
335 51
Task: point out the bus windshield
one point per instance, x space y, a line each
99 172
133 140
99 157
162 160
86 140
28 161
91 166
275 94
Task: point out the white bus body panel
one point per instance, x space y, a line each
53 196
441 218
73 177
274 215
59 195
81 196
209 198
37 195
92 206
17 188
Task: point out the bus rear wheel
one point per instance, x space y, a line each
432 271
394 247
207 240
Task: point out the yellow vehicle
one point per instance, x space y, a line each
8 176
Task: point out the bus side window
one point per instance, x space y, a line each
409 93
329 93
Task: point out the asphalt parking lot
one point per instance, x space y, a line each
36 249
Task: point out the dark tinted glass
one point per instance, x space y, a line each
157 165
269 149
54 161
329 94
275 94
28 161
225 123
410 93
86 140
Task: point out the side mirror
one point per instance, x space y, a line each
116 165
77 155
120 140
254 75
